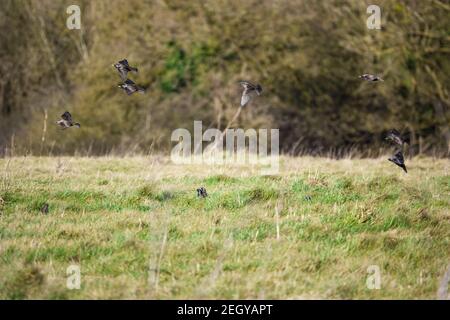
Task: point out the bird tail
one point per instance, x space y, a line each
134 69
404 169
77 125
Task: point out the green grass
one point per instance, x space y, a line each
137 230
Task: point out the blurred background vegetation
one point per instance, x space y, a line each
306 54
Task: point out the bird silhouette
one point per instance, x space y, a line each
130 87
201 192
395 137
399 160
123 68
66 121
249 90
370 77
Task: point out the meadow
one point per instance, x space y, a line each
136 229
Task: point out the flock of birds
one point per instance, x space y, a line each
130 87
395 138
393 135
250 90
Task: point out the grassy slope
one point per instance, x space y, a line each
110 216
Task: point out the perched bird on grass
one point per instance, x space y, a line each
399 160
66 121
249 90
370 77
44 208
201 192
130 87
395 137
123 68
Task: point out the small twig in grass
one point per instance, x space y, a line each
12 151
215 274
6 177
256 236
236 115
44 131
277 219
161 252
156 270
155 262
210 281
218 107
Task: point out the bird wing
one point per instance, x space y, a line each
399 156
67 116
369 77
123 73
124 62
130 90
63 124
247 85
394 136
246 97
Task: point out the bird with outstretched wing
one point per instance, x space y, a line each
370 77
130 87
399 160
395 137
250 90
123 68
67 121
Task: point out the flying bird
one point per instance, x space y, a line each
130 87
370 77
395 137
399 160
249 91
123 68
66 121
201 192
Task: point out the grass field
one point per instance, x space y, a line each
137 230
